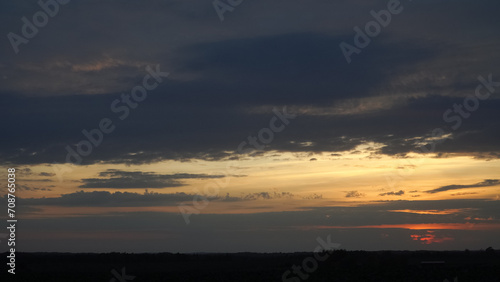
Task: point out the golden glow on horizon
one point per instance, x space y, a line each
330 175
446 211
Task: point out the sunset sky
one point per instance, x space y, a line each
254 133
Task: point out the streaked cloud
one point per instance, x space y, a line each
485 183
393 193
119 179
354 194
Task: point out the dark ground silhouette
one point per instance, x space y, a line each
341 265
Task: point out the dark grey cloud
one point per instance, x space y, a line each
393 193
299 63
107 199
485 183
267 196
259 196
24 171
119 179
30 188
464 193
146 199
227 78
38 180
354 194
159 130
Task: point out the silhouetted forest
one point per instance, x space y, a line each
340 265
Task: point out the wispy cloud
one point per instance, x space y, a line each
119 179
398 193
354 194
147 199
485 183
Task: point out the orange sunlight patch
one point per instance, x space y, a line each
430 238
419 226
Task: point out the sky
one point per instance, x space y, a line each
251 126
